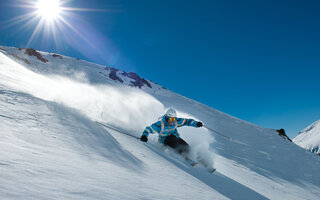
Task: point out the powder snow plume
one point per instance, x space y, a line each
130 108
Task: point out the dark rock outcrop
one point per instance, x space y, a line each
283 134
138 82
57 56
33 52
315 150
113 75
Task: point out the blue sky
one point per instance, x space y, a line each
256 60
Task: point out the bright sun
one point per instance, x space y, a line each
49 9
49 18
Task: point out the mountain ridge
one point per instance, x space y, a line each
48 112
309 138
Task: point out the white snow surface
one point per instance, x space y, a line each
309 138
52 148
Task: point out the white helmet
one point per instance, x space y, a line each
171 113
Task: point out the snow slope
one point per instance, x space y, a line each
52 148
309 138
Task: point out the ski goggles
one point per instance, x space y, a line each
172 119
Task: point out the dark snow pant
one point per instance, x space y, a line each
177 144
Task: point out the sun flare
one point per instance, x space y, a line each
49 9
51 19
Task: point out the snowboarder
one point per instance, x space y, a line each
167 130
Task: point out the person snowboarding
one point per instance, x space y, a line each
168 133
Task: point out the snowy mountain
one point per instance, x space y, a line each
309 138
52 147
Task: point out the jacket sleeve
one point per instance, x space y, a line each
186 122
154 128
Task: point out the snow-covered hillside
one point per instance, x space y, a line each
309 138
52 147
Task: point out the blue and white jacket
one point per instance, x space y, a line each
164 129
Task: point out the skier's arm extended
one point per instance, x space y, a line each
188 122
154 128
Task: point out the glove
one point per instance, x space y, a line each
199 124
144 138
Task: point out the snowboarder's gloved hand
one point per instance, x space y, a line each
199 124
144 138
